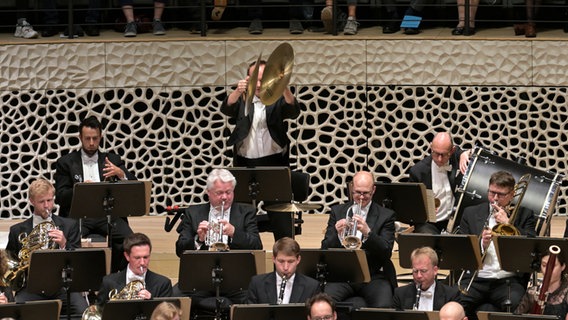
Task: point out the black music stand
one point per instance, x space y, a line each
522 254
335 265
409 200
73 270
46 309
218 272
272 184
388 314
142 309
106 199
268 312
484 315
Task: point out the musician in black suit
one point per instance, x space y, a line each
137 250
238 221
433 294
284 285
66 236
260 138
440 172
91 165
376 229
493 286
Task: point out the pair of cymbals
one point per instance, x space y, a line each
275 78
292 207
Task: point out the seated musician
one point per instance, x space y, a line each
375 227
284 285
137 251
493 286
62 232
556 298
238 221
452 311
440 172
5 290
425 292
321 307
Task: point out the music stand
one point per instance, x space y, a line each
142 309
218 272
73 270
484 315
268 312
106 199
522 254
334 265
45 309
272 184
388 314
409 200
455 251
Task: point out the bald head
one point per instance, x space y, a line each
442 147
363 187
452 311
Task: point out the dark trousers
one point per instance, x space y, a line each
205 300
431 227
491 295
78 303
377 293
119 231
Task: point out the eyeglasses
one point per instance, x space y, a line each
421 271
440 154
362 193
327 317
498 194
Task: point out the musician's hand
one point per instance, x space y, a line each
486 238
242 85
145 294
58 237
111 170
228 228
362 225
3 298
340 225
202 230
464 160
500 214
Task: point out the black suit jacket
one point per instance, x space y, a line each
69 170
422 171
158 285
275 115
405 297
262 289
242 217
378 247
69 227
474 218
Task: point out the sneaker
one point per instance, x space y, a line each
296 27
350 27
255 27
326 18
158 27
130 30
25 30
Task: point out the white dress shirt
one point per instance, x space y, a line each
258 143
442 190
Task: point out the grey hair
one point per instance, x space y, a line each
222 175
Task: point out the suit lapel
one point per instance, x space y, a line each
297 290
270 285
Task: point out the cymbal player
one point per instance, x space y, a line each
260 138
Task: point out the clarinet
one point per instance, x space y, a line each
282 288
418 291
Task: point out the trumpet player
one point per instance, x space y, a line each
65 235
426 292
239 228
137 251
375 226
493 288
556 295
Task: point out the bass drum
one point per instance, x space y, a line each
540 197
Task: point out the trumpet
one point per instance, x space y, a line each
349 237
214 237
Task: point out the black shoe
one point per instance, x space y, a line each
296 27
391 28
77 31
92 31
458 31
411 31
49 32
255 27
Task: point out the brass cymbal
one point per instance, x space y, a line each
251 87
292 207
277 73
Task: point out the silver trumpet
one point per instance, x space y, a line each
349 238
214 237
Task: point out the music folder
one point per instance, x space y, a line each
411 201
142 309
484 315
46 309
391 314
268 312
